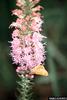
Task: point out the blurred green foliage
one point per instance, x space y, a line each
55 28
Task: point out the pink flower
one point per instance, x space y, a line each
37 8
15 43
17 12
15 33
36 14
27 18
20 21
19 69
34 1
16 25
27 48
39 53
20 3
37 37
16 50
29 76
36 24
24 28
32 49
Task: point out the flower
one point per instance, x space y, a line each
19 69
37 8
20 3
28 50
34 1
16 25
17 12
15 33
27 47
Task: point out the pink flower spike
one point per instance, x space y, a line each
27 47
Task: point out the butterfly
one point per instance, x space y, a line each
39 70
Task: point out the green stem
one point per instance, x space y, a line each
27 8
25 88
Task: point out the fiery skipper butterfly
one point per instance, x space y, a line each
39 70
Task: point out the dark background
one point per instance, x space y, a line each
55 28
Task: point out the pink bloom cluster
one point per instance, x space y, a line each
27 48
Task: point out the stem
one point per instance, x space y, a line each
25 88
28 10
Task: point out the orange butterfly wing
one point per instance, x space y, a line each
39 70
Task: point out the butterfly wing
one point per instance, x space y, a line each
39 70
